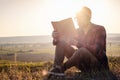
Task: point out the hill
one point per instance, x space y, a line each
26 39
113 38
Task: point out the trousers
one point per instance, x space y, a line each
81 58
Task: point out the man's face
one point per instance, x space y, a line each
82 19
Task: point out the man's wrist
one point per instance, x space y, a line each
55 41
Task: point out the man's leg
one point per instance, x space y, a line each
82 59
62 50
59 53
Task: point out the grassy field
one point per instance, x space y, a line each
33 71
10 70
34 48
113 50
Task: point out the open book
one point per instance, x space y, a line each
65 28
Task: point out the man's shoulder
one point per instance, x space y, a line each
98 27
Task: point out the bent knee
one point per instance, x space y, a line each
83 51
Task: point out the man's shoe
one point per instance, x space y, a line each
56 70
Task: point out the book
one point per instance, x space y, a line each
65 28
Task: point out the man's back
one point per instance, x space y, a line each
95 42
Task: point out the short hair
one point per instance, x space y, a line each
84 10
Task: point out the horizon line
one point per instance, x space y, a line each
37 35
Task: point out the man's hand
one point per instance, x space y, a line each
74 42
55 35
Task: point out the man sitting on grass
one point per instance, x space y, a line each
91 44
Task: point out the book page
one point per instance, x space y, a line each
65 28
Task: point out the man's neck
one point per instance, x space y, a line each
86 28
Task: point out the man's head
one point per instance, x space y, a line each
83 16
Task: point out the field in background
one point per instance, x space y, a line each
34 52
26 61
113 49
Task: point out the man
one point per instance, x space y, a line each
91 44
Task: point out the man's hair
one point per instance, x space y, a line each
84 10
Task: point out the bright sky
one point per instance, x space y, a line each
33 17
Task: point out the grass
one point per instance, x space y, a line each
33 71
23 71
9 70
113 50
26 48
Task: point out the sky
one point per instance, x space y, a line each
33 17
